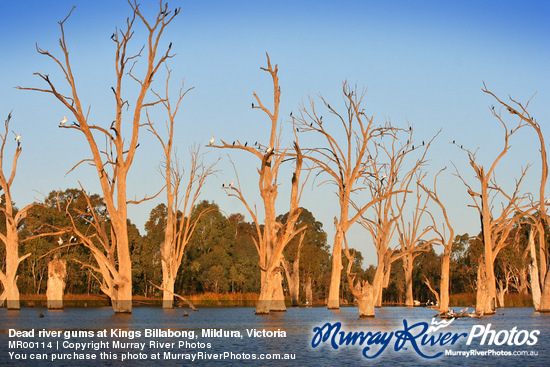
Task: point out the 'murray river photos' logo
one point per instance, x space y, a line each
417 336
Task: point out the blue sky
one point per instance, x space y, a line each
423 63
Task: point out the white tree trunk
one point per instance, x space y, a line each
57 272
534 272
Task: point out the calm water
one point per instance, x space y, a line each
298 324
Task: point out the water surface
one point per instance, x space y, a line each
298 323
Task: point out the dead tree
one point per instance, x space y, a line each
412 233
181 219
363 291
273 236
113 163
445 237
347 163
494 228
57 273
392 176
539 269
13 218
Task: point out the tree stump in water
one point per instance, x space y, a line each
57 272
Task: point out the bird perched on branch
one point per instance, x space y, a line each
212 140
63 121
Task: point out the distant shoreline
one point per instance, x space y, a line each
238 300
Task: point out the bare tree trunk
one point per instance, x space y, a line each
545 296
363 291
294 290
486 292
444 285
336 274
57 272
501 291
9 280
293 279
542 251
522 284
408 267
377 285
168 290
278 298
293 273
267 293
381 279
365 301
534 272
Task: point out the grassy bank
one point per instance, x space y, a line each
211 299
510 300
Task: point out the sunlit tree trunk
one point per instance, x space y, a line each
168 282
444 284
363 291
9 278
378 285
545 295
408 267
486 289
336 273
57 272
278 297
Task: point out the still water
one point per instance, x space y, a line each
297 323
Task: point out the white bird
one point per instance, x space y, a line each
63 121
60 241
232 182
384 176
73 239
212 140
269 150
547 200
17 136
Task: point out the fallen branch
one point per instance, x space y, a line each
175 294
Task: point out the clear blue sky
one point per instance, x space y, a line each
423 63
